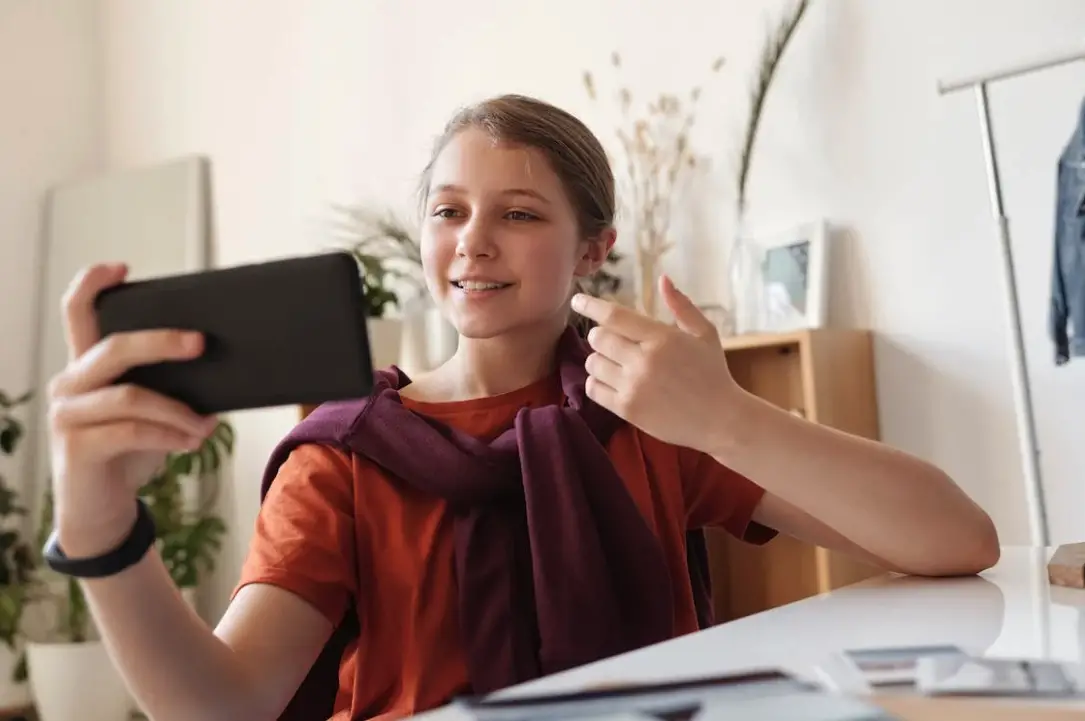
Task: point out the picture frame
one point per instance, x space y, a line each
793 282
718 316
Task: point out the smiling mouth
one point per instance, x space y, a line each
475 286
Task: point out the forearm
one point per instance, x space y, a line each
890 504
173 663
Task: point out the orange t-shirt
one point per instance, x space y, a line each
334 528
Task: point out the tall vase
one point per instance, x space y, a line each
744 276
428 340
650 250
385 339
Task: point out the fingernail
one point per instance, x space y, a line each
578 301
193 342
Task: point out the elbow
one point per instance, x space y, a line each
959 542
988 548
977 540
970 547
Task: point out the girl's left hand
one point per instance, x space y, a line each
672 382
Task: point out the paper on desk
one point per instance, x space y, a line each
789 707
802 706
668 699
795 707
979 676
861 671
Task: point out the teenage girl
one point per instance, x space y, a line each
518 206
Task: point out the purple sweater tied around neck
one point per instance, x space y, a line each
555 565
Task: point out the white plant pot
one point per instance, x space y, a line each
427 341
385 341
413 350
76 681
14 697
442 338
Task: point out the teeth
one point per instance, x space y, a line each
476 285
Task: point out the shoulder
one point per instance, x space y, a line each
329 421
328 427
308 458
311 474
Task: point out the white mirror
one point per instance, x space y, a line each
156 219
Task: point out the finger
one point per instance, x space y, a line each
604 369
127 403
77 305
613 345
628 322
602 394
686 314
106 441
110 358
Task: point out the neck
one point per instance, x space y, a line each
491 366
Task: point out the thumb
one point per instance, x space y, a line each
686 314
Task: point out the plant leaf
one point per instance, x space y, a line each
22 672
9 436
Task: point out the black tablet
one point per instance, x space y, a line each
276 333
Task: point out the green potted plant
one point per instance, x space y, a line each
387 251
390 263
189 535
17 564
189 532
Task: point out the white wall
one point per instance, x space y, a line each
300 104
50 131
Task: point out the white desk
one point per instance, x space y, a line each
1010 610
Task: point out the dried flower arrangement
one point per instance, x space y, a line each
655 141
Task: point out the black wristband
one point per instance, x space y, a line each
140 539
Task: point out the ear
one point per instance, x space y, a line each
594 252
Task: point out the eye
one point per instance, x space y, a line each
521 215
445 213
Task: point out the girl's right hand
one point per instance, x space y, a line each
107 439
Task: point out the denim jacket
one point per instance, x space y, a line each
1067 316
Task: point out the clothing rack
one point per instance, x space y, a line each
1026 421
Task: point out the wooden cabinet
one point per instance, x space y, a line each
827 377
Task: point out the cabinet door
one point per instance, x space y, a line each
825 376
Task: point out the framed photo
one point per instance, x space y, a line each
793 283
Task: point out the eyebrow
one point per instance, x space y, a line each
451 188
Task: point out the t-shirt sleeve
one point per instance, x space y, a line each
715 495
303 539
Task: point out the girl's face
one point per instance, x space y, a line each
500 244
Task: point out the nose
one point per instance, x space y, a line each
475 240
